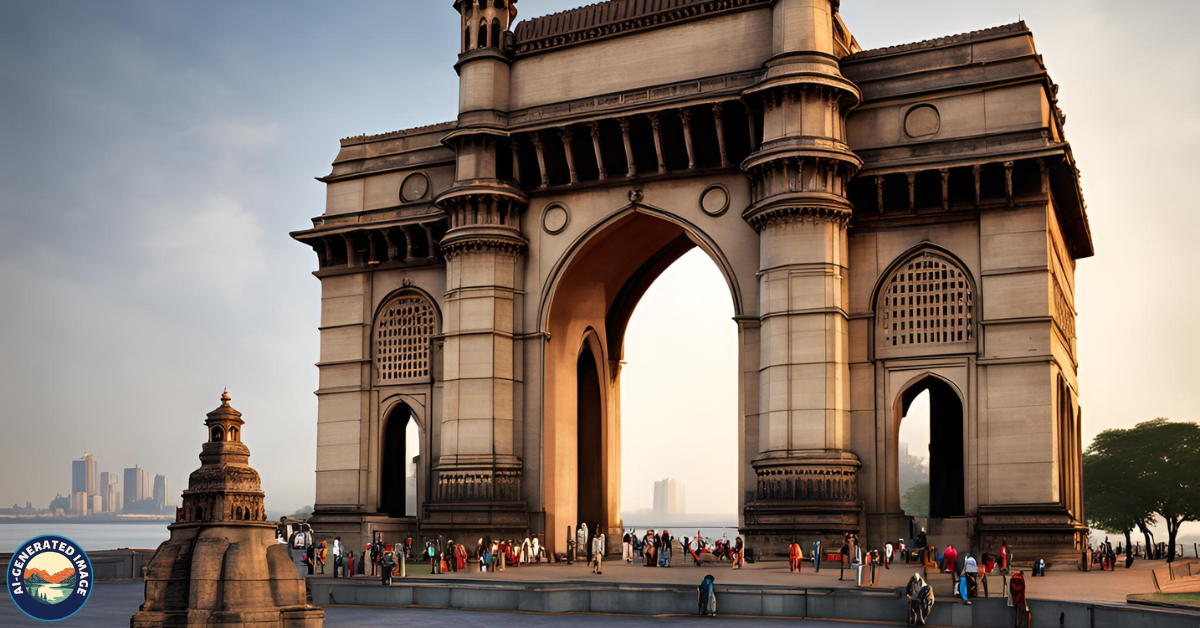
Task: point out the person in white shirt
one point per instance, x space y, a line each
598 553
337 556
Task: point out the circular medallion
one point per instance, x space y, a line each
49 577
922 121
714 200
414 188
555 219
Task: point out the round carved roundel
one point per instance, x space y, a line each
555 219
922 121
414 188
714 200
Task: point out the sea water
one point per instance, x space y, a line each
89 536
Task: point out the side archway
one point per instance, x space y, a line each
401 445
947 442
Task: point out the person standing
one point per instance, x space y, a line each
845 555
872 558
794 557
648 549
581 541
627 547
310 556
664 552
1019 603
816 556
337 556
888 551
435 561
598 553
739 553
387 566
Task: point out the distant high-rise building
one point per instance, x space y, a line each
102 490
137 487
668 497
117 500
79 503
83 475
160 492
95 504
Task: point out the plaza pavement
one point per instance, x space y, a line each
1059 584
112 604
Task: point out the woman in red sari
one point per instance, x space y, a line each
1016 587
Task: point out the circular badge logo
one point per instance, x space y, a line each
49 578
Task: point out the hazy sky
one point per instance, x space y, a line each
156 155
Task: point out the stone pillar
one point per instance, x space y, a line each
476 485
806 477
477 475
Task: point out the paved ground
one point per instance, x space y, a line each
1062 584
112 605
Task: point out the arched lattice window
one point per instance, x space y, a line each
403 334
927 301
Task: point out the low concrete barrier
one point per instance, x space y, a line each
111 565
880 605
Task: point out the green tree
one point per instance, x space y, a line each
1152 469
915 500
1111 499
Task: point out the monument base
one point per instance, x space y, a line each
1033 531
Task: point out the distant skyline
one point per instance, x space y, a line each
158 154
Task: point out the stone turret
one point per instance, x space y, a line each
222 566
799 205
485 255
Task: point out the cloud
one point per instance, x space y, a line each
212 249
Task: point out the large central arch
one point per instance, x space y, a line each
586 307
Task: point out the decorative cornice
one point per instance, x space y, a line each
616 17
458 243
940 42
788 213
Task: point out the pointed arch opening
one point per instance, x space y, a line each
398 471
932 429
588 304
589 438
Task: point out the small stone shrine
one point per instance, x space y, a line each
222 566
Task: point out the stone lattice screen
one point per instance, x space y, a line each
927 301
403 333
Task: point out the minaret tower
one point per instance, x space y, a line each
806 475
478 468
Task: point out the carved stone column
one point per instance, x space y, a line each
476 483
806 475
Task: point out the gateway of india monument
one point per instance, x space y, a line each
887 221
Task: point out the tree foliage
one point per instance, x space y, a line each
915 500
1133 475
